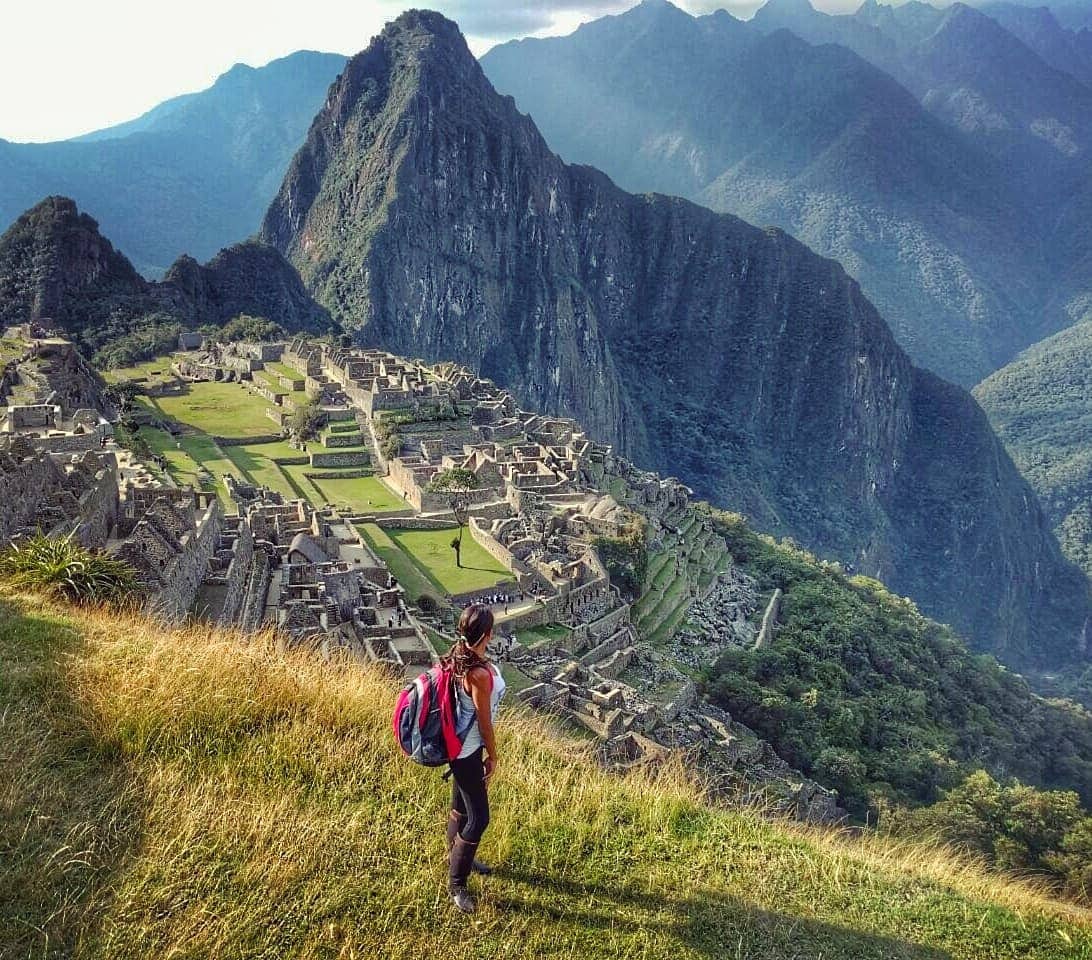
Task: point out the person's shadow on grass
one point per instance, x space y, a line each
714 925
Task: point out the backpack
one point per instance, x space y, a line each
428 723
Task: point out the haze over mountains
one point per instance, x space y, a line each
192 175
943 165
429 216
931 152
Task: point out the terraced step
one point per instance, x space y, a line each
659 561
667 629
687 524
647 601
679 591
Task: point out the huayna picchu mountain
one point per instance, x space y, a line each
431 218
56 267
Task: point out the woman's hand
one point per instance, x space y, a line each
490 766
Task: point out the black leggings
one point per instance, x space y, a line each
469 796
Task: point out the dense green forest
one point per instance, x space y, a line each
891 709
1041 407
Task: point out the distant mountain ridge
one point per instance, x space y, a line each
432 219
192 175
855 144
1038 27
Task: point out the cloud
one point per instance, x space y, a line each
501 19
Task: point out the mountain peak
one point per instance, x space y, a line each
428 22
53 259
786 7
431 218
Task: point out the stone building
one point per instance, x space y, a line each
169 546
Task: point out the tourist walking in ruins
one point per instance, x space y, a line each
479 687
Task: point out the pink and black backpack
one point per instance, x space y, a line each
428 723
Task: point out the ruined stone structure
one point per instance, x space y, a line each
57 495
540 505
172 540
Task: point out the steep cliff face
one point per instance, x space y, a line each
56 266
748 119
430 217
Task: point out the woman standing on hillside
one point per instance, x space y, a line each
479 687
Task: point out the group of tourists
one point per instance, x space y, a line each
497 599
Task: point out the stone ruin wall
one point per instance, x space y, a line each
257 590
387 522
525 576
99 507
174 600
237 575
339 458
24 488
68 442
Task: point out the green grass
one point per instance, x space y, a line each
158 368
270 382
279 449
284 370
302 485
186 456
548 633
343 426
220 409
359 494
12 347
181 793
224 410
260 469
405 570
431 549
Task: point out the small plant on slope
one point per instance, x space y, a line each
63 567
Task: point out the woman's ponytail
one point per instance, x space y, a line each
476 622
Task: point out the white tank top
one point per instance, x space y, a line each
473 739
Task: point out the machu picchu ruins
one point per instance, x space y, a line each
328 538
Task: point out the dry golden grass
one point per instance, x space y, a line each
184 793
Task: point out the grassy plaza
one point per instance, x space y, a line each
432 550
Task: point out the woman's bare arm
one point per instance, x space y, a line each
481 692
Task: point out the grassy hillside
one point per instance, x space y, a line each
177 793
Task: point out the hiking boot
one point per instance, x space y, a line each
454 824
460 861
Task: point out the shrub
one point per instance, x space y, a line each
156 334
305 420
251 329
61 567
428 604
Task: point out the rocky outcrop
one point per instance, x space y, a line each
248 278
56 268
430 217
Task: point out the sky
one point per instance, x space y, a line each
71 66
